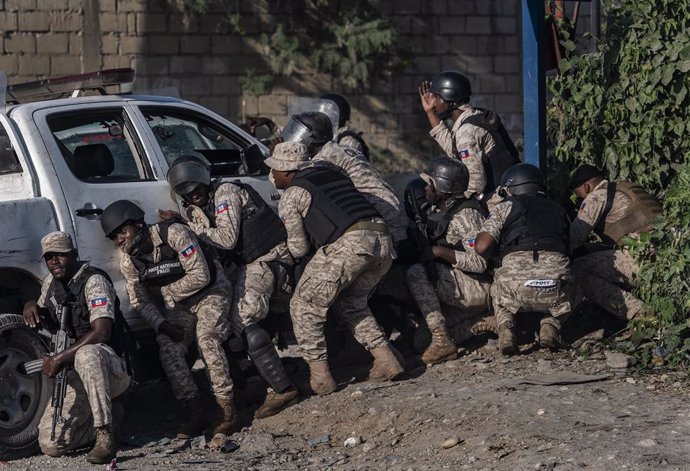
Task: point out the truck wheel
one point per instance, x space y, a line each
23 397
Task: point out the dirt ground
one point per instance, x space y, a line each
459 415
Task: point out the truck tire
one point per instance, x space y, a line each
23 398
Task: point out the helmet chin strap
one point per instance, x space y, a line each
142 243
449 110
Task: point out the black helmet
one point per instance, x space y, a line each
523 179
119 213
310 127
452 86
187 173
342 104
448 176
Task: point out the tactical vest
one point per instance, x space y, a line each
438 222
169 269
637 217
260 227
335 204
358 137
504 154
121 338
534 224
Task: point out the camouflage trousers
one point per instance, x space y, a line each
604 278
523 284
254 286
452 287
204 318
99 375
341 276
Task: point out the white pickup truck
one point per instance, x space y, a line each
62 160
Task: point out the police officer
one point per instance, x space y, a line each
451 274
99 372
613 211
315 130
530 234
324 214
235 220
165 260
477 137
345 135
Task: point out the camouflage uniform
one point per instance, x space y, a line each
254 283
369 182
602 275
99 375
516 282
454 285
471 145
201 311
341 275
347 141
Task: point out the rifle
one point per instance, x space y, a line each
59 342
416 207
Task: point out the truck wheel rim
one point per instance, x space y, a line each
18 391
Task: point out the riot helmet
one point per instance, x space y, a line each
522 179
447 176
119 213
187 173
310 128
343 107
452 86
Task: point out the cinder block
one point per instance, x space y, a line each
273 104
437 7
217 103
57 43
65 65
150 65
478 25
193 86
22 5
225 44
164 44
8 20
480 64
430 63
508 103
508 64
110 43
75 44
134 44
408 7
196 44
115 61
463 7
463 44
504 24
455 62
215 65
225 85
132 5
185 65
436 44
151 23
183 24
24 43
512 45
113 22
8 64
66 21
105 6
489 44
483 101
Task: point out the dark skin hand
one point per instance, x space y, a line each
484 244
169 214
30 314
99 333
174 331
254 122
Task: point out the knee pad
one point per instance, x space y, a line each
257 339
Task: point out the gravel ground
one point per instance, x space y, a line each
459 415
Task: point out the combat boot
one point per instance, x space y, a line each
442 347
275 402
387 363
228 423
105 448
196 419
549 337
507 344
321 380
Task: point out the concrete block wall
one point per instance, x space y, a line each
197 56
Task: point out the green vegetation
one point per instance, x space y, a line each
625 109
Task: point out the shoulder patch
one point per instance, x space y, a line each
470 242
98 302
189 251
222 208
464 154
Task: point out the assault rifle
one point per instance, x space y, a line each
59 342
416 208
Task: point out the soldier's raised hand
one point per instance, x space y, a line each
428 99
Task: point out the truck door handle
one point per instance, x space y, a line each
83 212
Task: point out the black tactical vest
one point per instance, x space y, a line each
260 227
335 204
504 154
169 269
534 224
437 223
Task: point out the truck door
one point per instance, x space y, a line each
100 158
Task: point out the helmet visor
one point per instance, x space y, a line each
294 131
302 104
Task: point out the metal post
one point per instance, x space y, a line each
534 82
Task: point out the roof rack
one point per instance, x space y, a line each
69 85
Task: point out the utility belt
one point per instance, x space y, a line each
368 226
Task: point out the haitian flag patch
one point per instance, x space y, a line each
221 208
464 154
189 251
470 242
99 302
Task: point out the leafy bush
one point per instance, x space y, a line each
625 109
